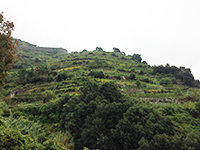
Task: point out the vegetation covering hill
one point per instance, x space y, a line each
32 55
98 100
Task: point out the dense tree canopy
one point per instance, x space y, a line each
7 48
183 74
98 49
102 118
137 57
116 50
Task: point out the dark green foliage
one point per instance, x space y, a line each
110 92
6 113
11 139
46 113
146 80
61 76
137 57
103 101
96 74
176 142
192 141
171 110
174 81
101 118
138 83
61 111
37 60
141 66
165 142
141 120
144 62
165 81
165 69
47 95
123 70
31 110
186 76
132 70
33 75
74 52
17 66
17 114
197 83
197 107
70 75
115 55
98 49
116 50
182 73
97 131
132 76
141 72
123 53
118 77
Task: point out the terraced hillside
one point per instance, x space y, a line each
32 55
135 79
97 97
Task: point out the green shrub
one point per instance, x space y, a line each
132 76
138 83
146 80
6 113
96 74
114 55
197 107
132 70
17 114
174 81
118 77
70 75
144 85
165 81
33 110
122 70
11 139
61 76
37 60
48 94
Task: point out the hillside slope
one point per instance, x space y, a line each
32 55
87 99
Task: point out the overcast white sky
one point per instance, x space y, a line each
162 31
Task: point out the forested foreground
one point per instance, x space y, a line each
100 117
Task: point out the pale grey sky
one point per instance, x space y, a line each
162 31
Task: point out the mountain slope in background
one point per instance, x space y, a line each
32 55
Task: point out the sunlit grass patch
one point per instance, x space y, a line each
105 80
69 68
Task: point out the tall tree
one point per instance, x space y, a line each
7 47
116 50
137 57
91 116
99 49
